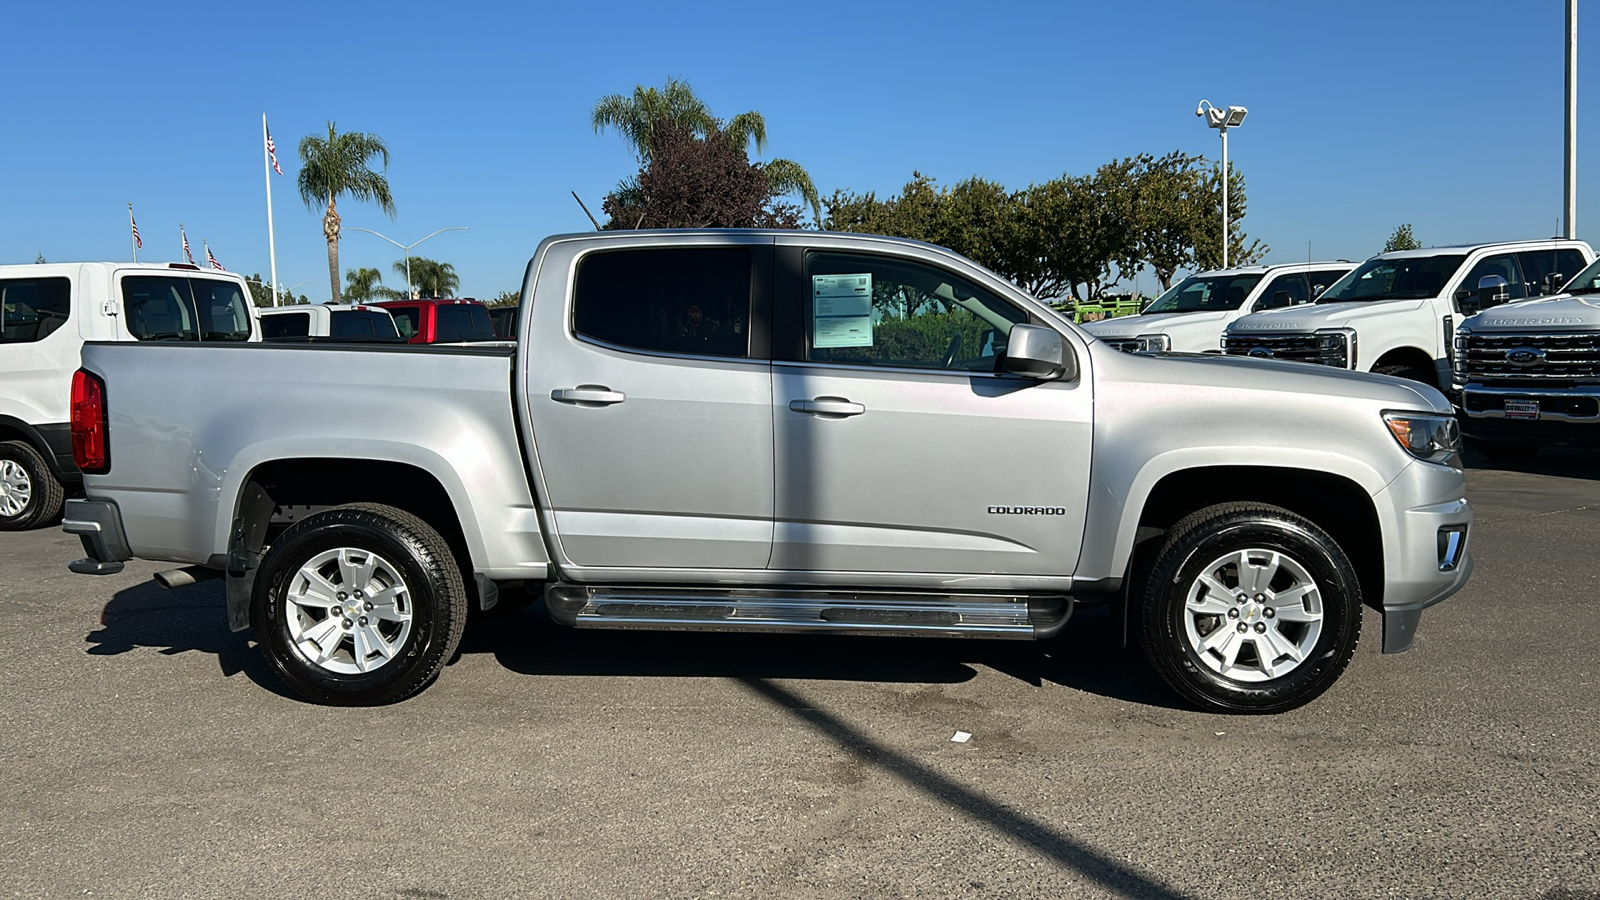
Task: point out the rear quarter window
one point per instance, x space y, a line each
691 301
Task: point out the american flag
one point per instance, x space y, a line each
186 254
212 260
272 149
137 241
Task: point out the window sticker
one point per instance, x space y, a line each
841 310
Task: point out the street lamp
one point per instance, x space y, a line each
406 247
1222 120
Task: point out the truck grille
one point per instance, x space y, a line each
1529 358
1298 347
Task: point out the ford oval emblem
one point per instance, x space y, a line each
1261 352
1525 356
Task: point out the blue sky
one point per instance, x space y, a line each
1363 115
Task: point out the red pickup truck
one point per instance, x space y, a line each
441 321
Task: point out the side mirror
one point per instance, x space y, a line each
1033 351
1554 282
1491 290
1317 289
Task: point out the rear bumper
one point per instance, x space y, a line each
98 524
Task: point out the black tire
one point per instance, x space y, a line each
410 551
45 493
1406 372
1190 549
1505 452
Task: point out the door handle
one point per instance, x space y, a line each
588 395
833 407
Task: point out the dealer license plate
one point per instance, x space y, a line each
1522 409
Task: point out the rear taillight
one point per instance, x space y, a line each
90 453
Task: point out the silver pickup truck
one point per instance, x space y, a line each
777 431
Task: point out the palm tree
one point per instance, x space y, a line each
431 277
364 286
333 167
635 116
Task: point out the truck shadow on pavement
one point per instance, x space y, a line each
1085 657
180 620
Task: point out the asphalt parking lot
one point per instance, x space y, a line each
148 752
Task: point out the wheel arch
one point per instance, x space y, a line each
1410 357
14 429
276 493
1335 502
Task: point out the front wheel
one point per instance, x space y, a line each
359 605
1250 608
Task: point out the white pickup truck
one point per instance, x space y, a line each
49 311
777 431
1396 313
1191 316
1528 374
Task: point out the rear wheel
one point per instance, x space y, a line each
30 495
359 605
1250 608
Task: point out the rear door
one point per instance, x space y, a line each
649 395
900 449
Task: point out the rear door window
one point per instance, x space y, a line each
1539 265
32 309
690 301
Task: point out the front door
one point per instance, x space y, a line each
649 392
899 447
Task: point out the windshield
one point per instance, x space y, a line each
1205 293
1587 281
1407 278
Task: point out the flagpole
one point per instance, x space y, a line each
132 241
272 247
180 237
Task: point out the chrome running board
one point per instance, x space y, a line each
1015 617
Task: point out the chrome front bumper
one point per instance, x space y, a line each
1554 395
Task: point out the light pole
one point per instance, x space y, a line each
406 247
1222 120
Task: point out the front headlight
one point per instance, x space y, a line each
1153 343
1430 437
1336 347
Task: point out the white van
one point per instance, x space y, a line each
47 312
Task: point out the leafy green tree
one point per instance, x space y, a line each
698 181
429 277
366 286
506 298
334 167
39 259
261 294
1208 237
1402 239
637 116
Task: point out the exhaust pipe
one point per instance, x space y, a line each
172 578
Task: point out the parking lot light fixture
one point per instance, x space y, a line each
1222 120
406 247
